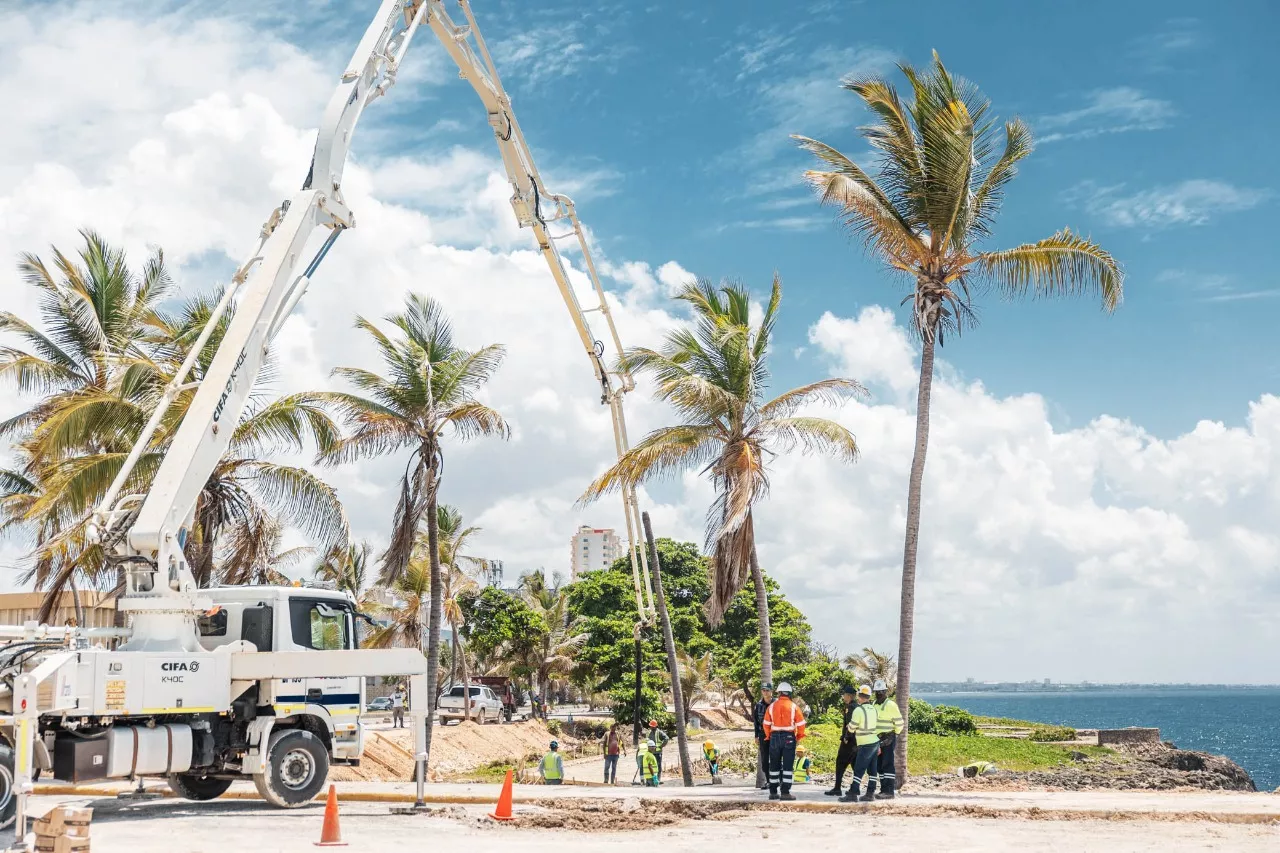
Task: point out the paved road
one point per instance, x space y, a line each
172 826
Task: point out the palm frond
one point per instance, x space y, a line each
1065 264
811 435
824 392
663 453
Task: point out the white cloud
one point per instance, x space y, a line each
1116 110
1099 552
1191 202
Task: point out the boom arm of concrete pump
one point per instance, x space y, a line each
537 208
147 532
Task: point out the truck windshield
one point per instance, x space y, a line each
322 625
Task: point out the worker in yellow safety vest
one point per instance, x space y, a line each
783 728
862 725
551 768
888 727
804 765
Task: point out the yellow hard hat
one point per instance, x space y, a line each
800 750
708 744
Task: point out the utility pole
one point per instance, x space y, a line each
677 692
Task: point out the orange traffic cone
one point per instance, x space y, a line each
503 811
330 834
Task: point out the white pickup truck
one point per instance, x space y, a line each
486 707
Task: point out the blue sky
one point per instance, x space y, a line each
1155 141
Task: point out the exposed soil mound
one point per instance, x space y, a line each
388 753
1145 767
720 718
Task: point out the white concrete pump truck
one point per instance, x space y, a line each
211 685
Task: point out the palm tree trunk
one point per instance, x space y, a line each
437 606
762 618
460 665
677 689
906 623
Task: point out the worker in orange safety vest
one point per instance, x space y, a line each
783 728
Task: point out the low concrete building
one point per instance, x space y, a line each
17 608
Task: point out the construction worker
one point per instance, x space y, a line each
398 699
762 741
845 752
712 756
888 727
804 763
648 765
657 738
862 725
783 727
551 768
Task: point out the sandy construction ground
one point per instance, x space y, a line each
171 826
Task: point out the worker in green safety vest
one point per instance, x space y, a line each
551 768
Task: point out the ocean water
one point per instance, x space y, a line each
1242 724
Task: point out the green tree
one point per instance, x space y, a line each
715 376
428 393
494 620
940 177
552 655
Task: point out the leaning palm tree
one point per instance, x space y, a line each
457 578
939 179
715 376
426 396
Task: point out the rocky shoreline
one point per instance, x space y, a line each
1136 767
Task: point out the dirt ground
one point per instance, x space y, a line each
388 753
173 826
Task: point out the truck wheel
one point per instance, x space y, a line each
297 768
199 788
8 802
480 717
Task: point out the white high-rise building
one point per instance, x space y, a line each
594 548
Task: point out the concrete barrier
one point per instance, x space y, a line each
1128 737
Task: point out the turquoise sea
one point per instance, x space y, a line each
1242 724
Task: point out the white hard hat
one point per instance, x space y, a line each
879 685
784 687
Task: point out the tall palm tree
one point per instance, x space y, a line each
108 352
939 180
457 578
715 376
427 394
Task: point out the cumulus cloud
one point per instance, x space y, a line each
1098 552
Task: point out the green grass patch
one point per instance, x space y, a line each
943 753
1005 721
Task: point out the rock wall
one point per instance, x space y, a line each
1128 737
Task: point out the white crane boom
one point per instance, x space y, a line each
146 532
536 208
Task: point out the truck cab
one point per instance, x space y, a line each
296 618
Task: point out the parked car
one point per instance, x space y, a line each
382 703
504 689
486 707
